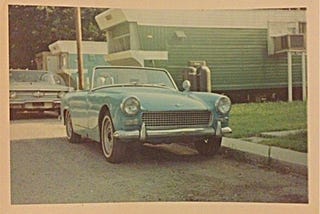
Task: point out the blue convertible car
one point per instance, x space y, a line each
136 104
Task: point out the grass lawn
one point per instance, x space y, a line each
250 119
297 142
247 120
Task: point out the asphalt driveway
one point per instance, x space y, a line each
45 168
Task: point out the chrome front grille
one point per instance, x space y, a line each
178 119
33 94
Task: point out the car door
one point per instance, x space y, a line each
94 105
79 112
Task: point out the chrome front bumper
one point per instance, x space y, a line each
143 134
35 105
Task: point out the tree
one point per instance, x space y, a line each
33 28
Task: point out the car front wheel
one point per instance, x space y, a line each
72 137
209 146
113 150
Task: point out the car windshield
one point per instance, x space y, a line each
109 76
36 76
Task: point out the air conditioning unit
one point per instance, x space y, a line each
289 42
286 36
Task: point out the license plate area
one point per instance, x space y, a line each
41 104
38 105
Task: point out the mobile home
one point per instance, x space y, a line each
62 58
246 50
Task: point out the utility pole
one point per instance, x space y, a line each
77 16
289 76
304 81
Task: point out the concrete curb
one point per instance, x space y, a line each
268 152
281 133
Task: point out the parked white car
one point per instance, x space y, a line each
34 90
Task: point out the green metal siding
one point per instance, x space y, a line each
89 62
237 57
119 30
158 42
72 61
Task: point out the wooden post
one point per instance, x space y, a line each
304 83
289 76
79 39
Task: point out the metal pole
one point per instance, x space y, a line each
289 76
304 82
79 39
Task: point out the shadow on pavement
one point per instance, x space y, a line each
34 115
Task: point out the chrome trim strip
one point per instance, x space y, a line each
174 127
144 134
126 135
181 132
218 129
35 101
226 130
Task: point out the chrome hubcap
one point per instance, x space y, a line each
69 125
107 136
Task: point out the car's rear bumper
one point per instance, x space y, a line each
144 134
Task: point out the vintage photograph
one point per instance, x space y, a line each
121 105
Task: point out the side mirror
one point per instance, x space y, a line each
186 85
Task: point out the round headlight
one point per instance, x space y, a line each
13 95
130 105
223 105
61 94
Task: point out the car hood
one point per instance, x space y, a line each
160 99
36 86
